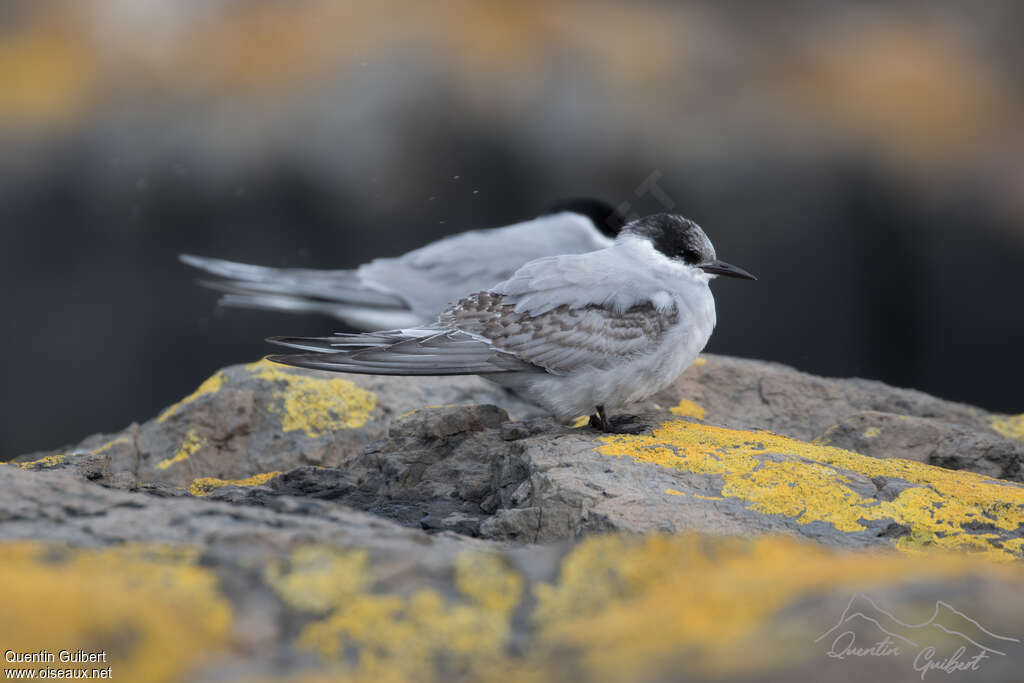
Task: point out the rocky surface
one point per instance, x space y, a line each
284 524
186 588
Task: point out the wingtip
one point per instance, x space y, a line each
291 360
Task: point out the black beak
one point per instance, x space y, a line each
726 269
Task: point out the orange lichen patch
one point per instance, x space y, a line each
1010 426
687 408
812 483
628 606
204 486
156 614
211 386
315 405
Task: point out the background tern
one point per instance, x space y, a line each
414 288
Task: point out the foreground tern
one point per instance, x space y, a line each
577 334
414 288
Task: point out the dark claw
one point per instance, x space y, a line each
619 424
625 424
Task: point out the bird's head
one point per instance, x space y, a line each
682 241
605 217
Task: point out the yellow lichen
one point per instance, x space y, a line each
315 405
192 443
673 492
1010 426
826 436
45 462
60 458
110 444
396 636
687 408
211 386
628 607
204 486
700 362
872 432
152 609
813 484
318 579
581 421
623 607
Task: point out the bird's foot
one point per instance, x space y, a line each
625 424
616 424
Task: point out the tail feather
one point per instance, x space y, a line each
305 285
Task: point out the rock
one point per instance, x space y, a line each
306 589
254 432
750 394
256 418
280 523
954 446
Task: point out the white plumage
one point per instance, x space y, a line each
573 333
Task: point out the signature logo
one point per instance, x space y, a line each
947 642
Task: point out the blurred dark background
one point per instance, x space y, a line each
865 160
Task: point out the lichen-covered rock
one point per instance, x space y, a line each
182 588
260 417
280 524
464 470
375 443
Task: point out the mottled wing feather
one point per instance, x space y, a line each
563 338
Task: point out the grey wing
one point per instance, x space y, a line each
482 334
400 352
565 338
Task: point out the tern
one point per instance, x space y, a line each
577 334
414 288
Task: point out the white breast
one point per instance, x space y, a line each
569 396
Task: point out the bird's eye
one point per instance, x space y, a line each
691 256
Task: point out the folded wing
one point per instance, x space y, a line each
483 334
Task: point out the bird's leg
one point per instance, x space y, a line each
620 424
599 420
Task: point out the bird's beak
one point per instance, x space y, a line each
726 269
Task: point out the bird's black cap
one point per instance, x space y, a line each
676 237
603 215
681 239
